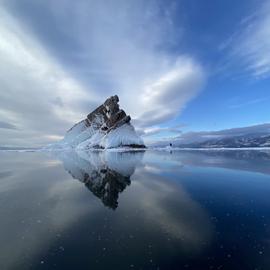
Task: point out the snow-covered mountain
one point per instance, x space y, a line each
244 141
243 137
106 127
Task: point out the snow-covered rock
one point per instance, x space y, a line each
106 127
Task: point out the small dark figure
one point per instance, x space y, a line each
170 145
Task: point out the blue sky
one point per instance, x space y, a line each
177 66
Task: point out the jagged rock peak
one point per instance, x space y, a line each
112 115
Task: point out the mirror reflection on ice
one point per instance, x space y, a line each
104 173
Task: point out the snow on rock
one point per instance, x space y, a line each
106 127
92 142
125 135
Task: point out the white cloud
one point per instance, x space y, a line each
166 97
119 49
153 85
123 44
30 81
152 133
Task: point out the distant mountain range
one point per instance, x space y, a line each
250 140
17 148
245 137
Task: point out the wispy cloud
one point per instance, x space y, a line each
250 44
30 81
6 125
166 97
247 103
157 130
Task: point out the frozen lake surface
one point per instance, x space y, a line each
135 210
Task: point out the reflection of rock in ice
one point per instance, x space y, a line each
105 174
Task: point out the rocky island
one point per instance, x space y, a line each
106 127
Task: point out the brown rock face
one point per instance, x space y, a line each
113 116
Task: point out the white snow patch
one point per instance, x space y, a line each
123 136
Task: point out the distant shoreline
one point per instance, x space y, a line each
138 149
